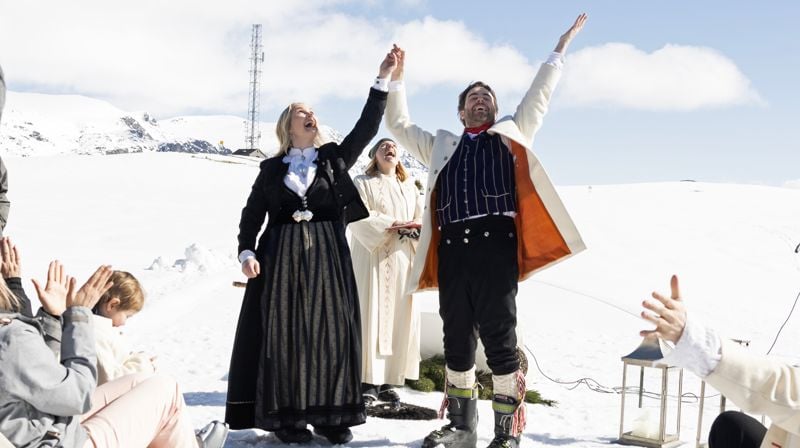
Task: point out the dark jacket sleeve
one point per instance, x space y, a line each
254 212
365 129
15 285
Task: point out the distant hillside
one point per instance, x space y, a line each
38 124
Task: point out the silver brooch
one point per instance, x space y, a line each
302 215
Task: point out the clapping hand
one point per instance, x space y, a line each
11 260
53 296
92 290
59 292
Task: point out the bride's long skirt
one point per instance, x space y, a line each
296 356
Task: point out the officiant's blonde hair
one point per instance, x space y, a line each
284 125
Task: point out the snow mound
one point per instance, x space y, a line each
196 259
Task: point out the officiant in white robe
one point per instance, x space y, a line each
383 248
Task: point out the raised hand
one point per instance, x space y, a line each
400 57
667 313
573 31
388 65
53 296
11 260
251 268
92 290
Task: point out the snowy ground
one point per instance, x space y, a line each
171 219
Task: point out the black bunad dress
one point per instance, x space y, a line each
297 353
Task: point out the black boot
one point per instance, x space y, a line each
462 410
509 421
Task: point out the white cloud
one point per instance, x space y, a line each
674 77
446 52
184 57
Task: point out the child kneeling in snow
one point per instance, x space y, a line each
114 356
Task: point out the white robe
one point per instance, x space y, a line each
382 263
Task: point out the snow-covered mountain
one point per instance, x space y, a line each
39 124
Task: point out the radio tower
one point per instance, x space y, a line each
252 133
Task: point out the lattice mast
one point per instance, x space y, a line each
252 132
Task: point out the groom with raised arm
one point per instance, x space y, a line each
492 218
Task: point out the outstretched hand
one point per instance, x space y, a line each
53 296
400 57
388 65
573 31
667 313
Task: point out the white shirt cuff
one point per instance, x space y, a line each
394 86
245 255
555 59
697 350
381 84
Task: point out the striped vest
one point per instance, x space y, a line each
478 180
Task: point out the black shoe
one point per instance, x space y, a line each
369 393
389 395
504 441
294 435
451 437
334 434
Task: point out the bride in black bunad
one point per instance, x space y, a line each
297 353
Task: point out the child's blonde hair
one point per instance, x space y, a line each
127 289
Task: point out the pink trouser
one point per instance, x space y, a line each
139 410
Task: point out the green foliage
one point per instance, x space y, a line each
423 384
432 373
534 397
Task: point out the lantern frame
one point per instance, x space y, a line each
648 355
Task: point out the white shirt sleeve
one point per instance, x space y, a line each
247 253
698 349
381 84
555 59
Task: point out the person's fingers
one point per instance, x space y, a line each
5 249
51 270
104 281
71 285
257 269
37 287
650 317
99 278
15 257
675 287
60 279
661 298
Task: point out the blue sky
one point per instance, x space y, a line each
700 90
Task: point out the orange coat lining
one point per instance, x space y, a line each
539 241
